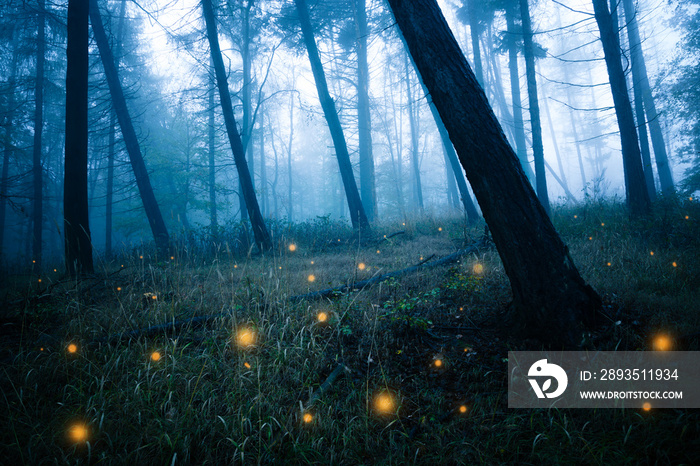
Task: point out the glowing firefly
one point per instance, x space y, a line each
674 264
463 409
308 418
140 257
78 433
590 238
245 337
155 356
119 288
322 317
72 348
651 253
602 224
646 406
609 264
575 216
292 247
311 278
361 266
384 403
440 229
438 363
172 258
247 365
662 343
687 217
478 269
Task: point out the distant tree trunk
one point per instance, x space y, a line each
78 246
38 211
290 204
357 211
451 191
641 79
537 147
474 31
518 124
263 168
368 189
211 142
415 162
150 205
574 132
262 237
246 91
8 144
637 195
549 296
562 180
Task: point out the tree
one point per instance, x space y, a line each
537 147
549 296
262 237
415 156
143 182
357 211
78 246
38 129
646 101
211 147
637 195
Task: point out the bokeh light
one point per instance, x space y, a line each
651 253
292 247
662 343
155 356
308 418
438 363
311 278
463 409
322 317
478 268
646 406
361 266
247 365
72 348
245 337
385 403
674 264
78 432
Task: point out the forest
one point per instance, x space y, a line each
313 231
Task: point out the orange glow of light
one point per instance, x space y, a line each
322 317
280 267
378 251
40 280
308 418
384 403
33 261
235 266
687 217
292 247
609 264
119 288
690 198
404 224
339 240
602 224
154 297
440 229
72 348
41 349
385 236
312 262
172 258
311 278
575 216
467 349
78 433
461 308
463 409
361 266
674 264
478 269
662 343
155 356
247 365
646 406
55 270
122 266
651 253
438 363
590 238
245 337
140 257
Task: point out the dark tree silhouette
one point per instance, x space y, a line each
550 299
262 237
150 205
637 194
78 246
38 211
357 211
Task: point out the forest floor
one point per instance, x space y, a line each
409 370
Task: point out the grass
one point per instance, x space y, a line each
210 397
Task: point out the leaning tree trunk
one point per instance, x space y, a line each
537 147
637 194
368 190
357 211
262 237
150 205
641 84
549 296
38 213
78 246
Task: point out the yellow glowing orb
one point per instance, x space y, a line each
686 217
385 236
674 264
247 365
690 198
339 240
322 317
609 264
312 262
40 280
440 229
308 418
235 266
54 270
461 308
590 238
467 349
72 348
245 337
651 253
602 224
78 433
292 247
438 363
575 216
155 356
646 406
154 297
172 258
662 343
384 403
311 278
463 409
478 269
378 251
361 266
34 261
122 266
280 267
140 257
119 288
404 224
41 349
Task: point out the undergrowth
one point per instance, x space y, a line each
421 359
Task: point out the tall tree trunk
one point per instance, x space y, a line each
368 190
290 204
78 246
637 194
451 191
263 168
8 144
38 211
415 162
574 131
641 79
537 147
549 296
357 211
564 183
246 91
518 124
211 142
150 205
262 237
474 31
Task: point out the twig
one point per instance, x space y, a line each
326 385
425 260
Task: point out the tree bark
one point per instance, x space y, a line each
474 31
38 211
150 205
637 195
368 190
550 299
262 237
211 143
415 162
78 245
357 211
537 147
